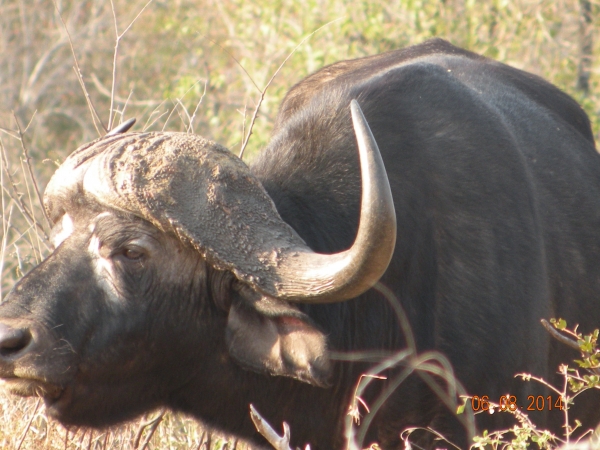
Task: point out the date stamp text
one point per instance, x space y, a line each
510 403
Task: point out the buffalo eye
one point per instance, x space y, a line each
132 254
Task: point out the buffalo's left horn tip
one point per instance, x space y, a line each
122 128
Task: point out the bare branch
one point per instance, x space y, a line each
400 314
28 123
263 427
29 168
116 54
558 336
170 114
153 428
187 115
135 18
37 405
9 132
425 365
126 104
114 71
40 65
148 124
29 217
191 126
264 91
408 431
106 92
234 58
39 255
5 226
374 356
79 75
178 102
244 123
154 422
363 383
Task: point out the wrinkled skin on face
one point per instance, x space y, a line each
122 318
96 323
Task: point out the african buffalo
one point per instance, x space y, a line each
183 278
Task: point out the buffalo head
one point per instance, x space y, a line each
172 264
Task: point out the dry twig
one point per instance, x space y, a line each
77 69
37 405
153 424
558 336
425 365
107 93
264 91
16 196
263 427
116 54
29 168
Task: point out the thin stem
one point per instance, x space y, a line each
558 336
191 126
30 169
153 428
5 225
114 71
38 256
37 405
116 55
234 58
16 197
264 91
566 408
95 116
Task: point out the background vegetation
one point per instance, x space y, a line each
201 66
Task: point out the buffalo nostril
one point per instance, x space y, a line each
13 340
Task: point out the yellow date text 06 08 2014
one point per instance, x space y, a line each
510 403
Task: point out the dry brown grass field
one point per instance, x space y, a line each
202 66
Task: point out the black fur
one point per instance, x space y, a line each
496 184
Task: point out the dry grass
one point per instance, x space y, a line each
178 68
25 426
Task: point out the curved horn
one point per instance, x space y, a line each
315 278
121 128
199 191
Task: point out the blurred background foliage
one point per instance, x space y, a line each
181 52
199 65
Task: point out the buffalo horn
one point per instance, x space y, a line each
122 128
310 277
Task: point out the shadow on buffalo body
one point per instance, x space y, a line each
183 278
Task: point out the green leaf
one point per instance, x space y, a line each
559 324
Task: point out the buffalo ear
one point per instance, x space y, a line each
265 334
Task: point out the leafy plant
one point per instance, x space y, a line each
576 381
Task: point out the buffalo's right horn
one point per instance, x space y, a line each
311 277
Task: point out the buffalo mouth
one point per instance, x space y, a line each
55 397
28 387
